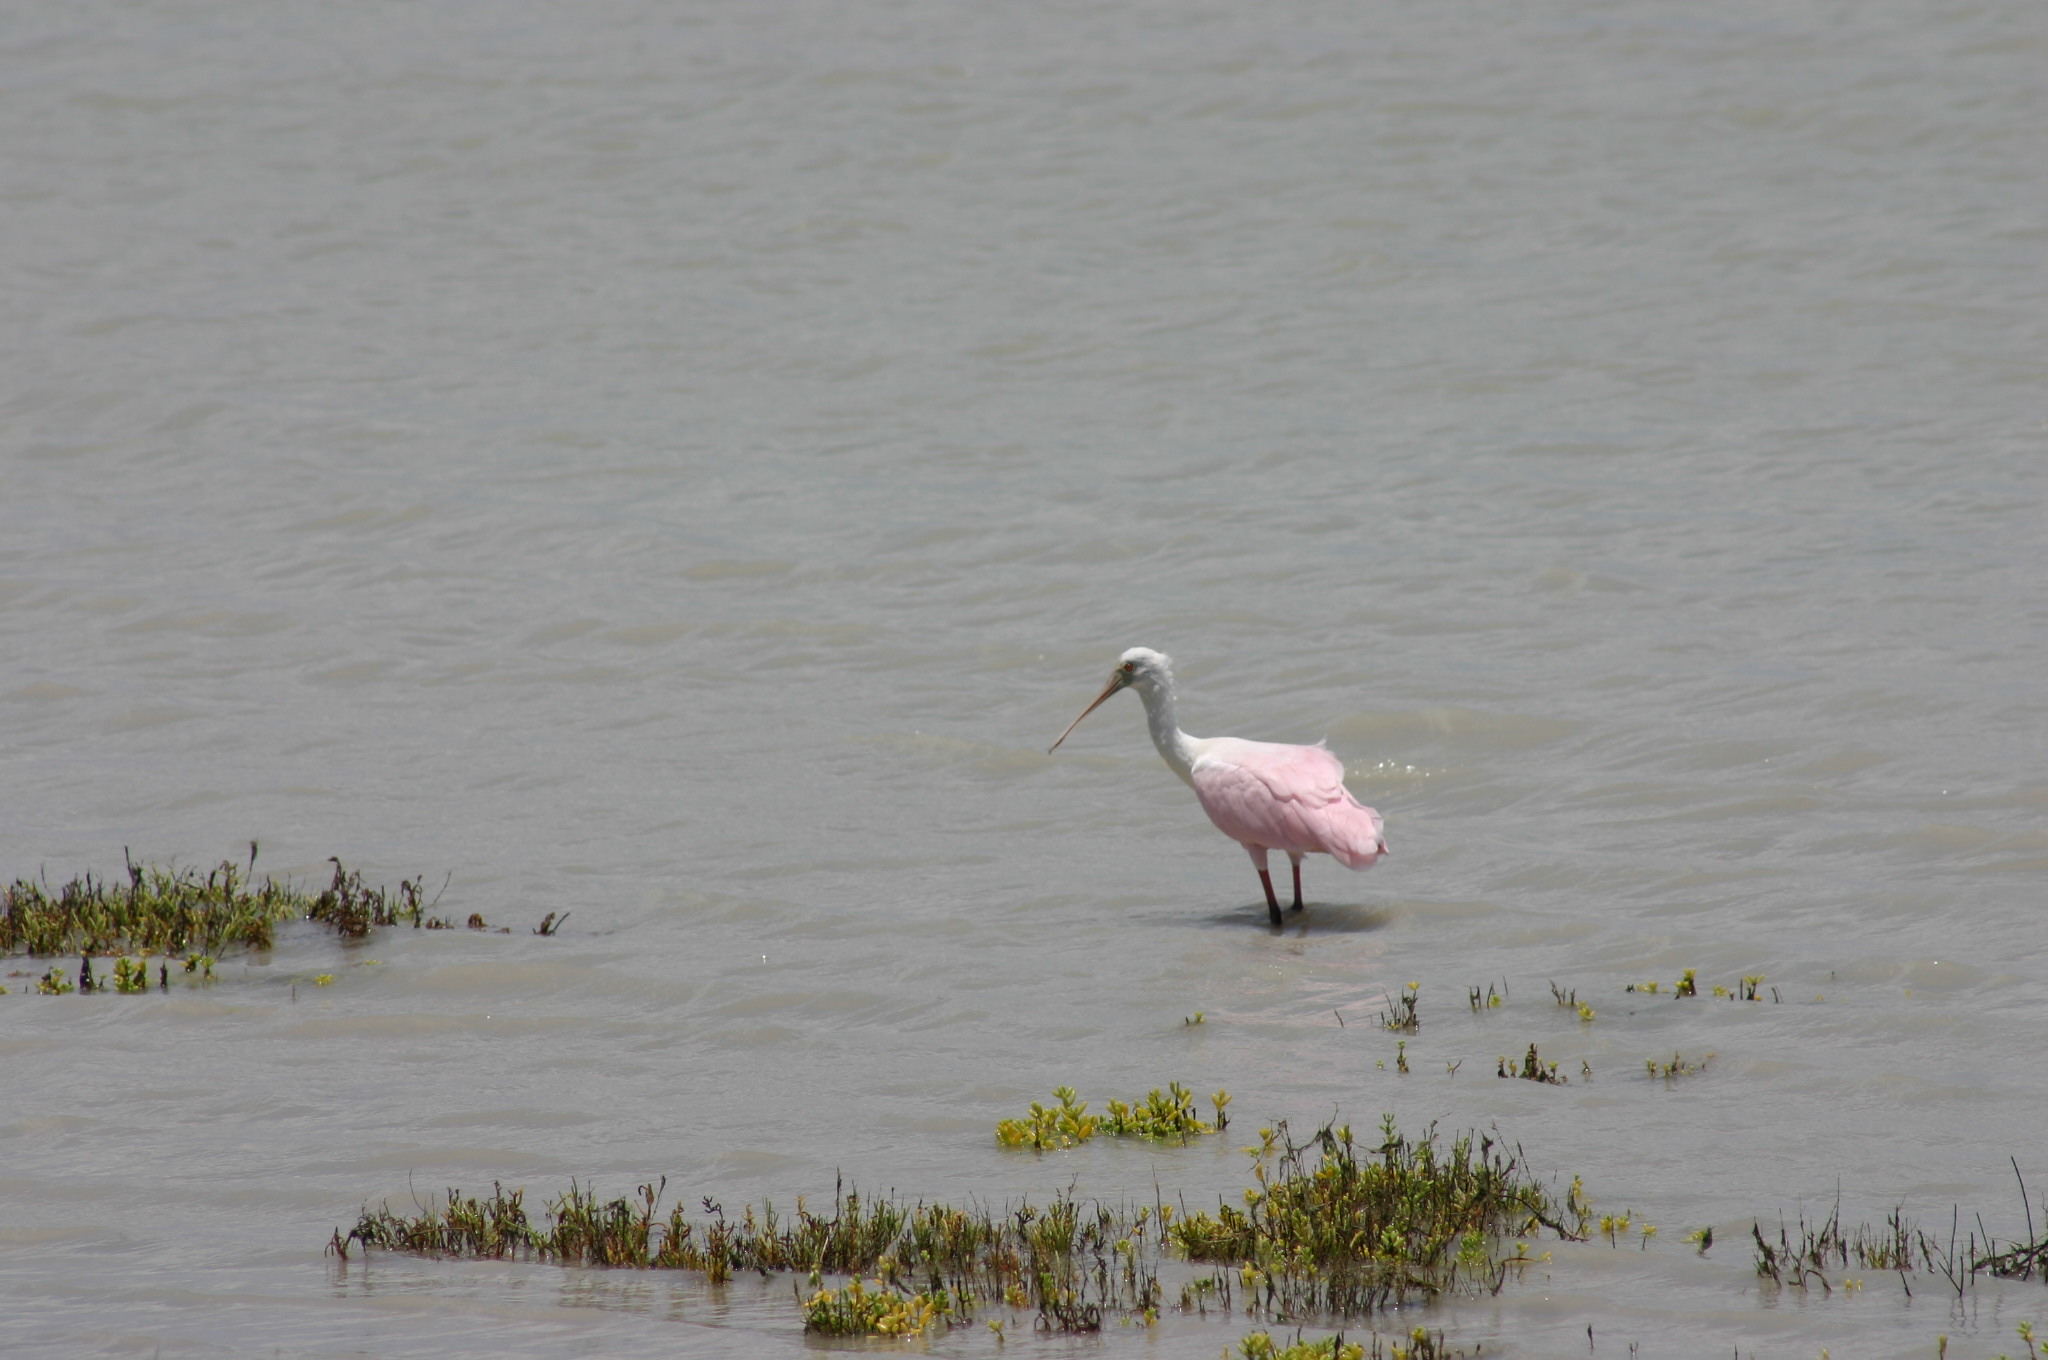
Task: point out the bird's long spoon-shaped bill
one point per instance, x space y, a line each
1116 683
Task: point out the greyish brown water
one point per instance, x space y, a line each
682 465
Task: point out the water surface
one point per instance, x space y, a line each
683 466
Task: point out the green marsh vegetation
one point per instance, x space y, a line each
1678 1067
1334 1229
1533 1068
176 912
1421 1344
1069 1261
1748 989
1570 1001
1902 1247
1494 998
857 1310
173 913
1330 1229
1161 1115
1822 1256
1327 1229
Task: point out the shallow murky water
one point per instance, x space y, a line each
682 467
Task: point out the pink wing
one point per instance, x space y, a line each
1288 798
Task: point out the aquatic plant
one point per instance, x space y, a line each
1163 1116
1327 1229
2021 1261
1490 1000
1341 1234
1533 1068
1261 1346
1899 1245
1160 1115
1420 1344
1400 1012
1570 1000
1614 1227
1071 1262
352 909
1049 1128
154 911
176 911
857 1310
1676 1068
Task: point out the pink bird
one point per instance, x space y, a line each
1262 795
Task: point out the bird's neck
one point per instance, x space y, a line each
1175 746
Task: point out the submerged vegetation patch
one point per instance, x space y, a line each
1327 1230
1162 1115
1421 1344
178 913
1900 1246
1679 1066
175 912
1070 1261
1400 1012
1533 1068
1687 985
857 1310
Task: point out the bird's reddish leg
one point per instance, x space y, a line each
1272 902
1297 880
1258 854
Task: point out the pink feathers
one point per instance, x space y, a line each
1270 797
1263 796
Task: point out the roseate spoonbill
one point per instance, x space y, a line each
1262 795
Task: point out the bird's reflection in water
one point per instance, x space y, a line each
1327 918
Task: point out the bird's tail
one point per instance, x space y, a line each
1361 836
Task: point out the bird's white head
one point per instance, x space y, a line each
1142 669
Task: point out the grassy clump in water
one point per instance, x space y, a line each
1071 1262
857 1310
176 911
1958 1256
1533 1068
1678 1067
1050 1127
351 908
1422 1344
1330 1230
1162 1115
1342 1234
1401 1013
1262 1346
